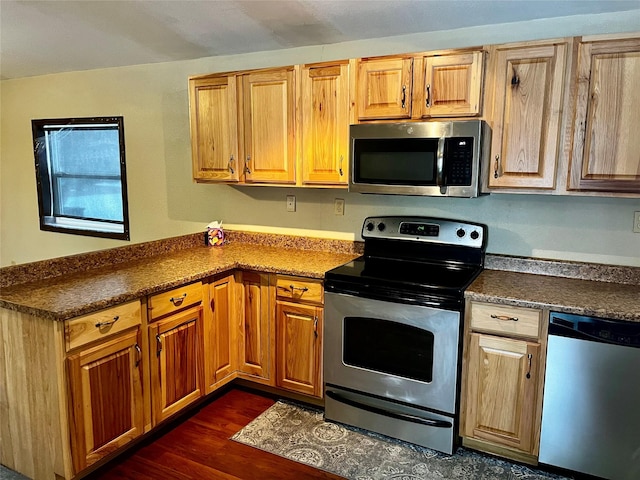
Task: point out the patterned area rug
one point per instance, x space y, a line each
301 434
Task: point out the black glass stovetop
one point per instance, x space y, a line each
407 281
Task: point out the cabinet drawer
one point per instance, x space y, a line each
82 330
505 320
300 289
173 300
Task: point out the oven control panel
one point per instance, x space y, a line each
426 229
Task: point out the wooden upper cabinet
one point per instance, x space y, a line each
324 123
214 128
384 88
527 106
606 143
452 86
268 105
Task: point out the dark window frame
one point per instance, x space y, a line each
45 178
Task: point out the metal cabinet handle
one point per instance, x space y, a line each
231 166
109 323
159 344
139 352
428 101
178 300
315 326
246 165
404 95
529 356
496 171
506 318
303 289
340 169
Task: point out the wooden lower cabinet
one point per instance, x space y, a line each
220 356
503 369
299 347
256 336
176 366
501 390
105 396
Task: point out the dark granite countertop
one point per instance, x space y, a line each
572 295
67 287
79 293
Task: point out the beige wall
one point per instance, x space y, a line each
164 201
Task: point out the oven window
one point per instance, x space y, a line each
395 161
388 347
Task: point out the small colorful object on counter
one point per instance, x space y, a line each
215 234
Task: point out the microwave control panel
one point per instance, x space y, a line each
458 154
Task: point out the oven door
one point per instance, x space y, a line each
401 352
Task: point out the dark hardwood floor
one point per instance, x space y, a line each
198 447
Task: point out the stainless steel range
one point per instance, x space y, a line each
393 328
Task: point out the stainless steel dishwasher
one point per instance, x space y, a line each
591 406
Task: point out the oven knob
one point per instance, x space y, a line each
460 232
381 226
369 226
474 235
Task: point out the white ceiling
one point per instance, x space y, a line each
42 37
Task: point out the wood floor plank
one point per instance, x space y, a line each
199 448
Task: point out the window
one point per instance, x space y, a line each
81 176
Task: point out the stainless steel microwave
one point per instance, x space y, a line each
419 158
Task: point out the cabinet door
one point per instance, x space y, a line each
325 124
452 85
214 128
299 347
219 348
176 368
501 391
256 335
384 88
106 398
528 92
606 145
269 126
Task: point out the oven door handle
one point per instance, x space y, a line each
387 413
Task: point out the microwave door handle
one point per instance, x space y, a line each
440 167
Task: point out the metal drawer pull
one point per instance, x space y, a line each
428 102
158 344
139 350
404 95
496 171
178 300
315 326
303 289
231 166
340 169
529 371
246 165
506 318
109 323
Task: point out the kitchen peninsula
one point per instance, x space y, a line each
40 311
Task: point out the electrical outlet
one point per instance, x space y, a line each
291 203
636 222
338 206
